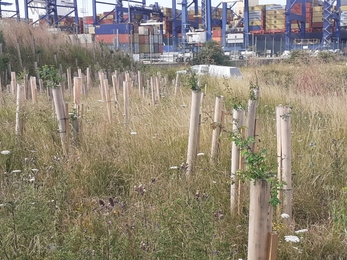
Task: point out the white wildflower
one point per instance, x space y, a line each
32 179
174 167
293 239
284 215
5 152
301 231
214 182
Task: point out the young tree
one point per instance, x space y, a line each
211 53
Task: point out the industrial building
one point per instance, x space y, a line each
139 27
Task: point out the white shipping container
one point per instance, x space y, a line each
234 36
274 7
143 30
234 41
196 37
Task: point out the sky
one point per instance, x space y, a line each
86 5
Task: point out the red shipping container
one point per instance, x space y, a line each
216 33
105 38
317 25
123 38
143 39
88 20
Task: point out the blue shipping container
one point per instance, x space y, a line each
255 28
112 28
168 48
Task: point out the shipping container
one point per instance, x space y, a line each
256 8
255 23
273 12
274 7
143 30
317 19
255 28
144 48
216 33
273 26
143 39
113 28
296 26
105 38
320 8
317 25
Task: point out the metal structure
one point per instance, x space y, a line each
49 11
119 10
331 23
301 19
13 13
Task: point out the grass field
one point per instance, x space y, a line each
121 192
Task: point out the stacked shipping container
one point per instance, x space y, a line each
343 15
256 19
317 17
272 18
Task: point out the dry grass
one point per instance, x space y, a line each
115 196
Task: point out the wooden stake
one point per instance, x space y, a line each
258 214
252 111
152 91
89 80
115 88
18 120
60 112
157 84
238 118
77 91
126 102
241 167
69 79
217 127
286 162
101 86
139 80
67 128
279 113
176 84
272 245
33 89
193 131
13 83
108 100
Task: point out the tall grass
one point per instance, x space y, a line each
37 44
118 195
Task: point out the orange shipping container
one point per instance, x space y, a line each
111 38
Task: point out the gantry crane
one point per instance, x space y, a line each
49 11
4 9
331 23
